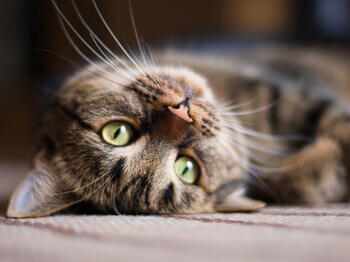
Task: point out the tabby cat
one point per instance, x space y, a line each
140 135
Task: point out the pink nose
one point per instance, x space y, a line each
181 112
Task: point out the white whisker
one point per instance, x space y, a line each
246 166
84 197
114 199
270 149
255 169
62 16
110 61
142 52
88 28
58 55
258 160
115 38
240 144
249 112
152 57
136 58
233 107
75 64
261 135
76 48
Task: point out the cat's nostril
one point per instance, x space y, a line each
182 110
185 102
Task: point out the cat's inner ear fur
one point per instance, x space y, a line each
230 197
39 194
238 203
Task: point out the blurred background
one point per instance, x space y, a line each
32 43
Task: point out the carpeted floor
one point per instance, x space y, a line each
273 234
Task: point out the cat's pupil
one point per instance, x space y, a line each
188 166
185 170
116 134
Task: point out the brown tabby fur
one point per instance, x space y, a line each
284 138
309 89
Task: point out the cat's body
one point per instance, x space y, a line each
189 133
309 91
286 136
155 136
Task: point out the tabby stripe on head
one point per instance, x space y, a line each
208 122
155 81
140 189
129 184
150 88
275 96
117 169
187 199
73 116
142 186
148 189
208 111
314 116
142 94
168 196
187 139
339 120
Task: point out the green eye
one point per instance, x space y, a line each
117 133
187 169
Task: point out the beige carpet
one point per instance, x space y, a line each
274 234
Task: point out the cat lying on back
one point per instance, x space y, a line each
144 137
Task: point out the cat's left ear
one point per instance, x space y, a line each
238 203
39 194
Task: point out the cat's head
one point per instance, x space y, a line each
145 142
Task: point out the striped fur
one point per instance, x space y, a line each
285 137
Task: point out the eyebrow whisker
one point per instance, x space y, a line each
117 68
76 48
88 28
63 19
115 38
142 51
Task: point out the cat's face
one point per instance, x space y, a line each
153 144
139 155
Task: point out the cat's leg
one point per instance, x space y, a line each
335 124
318 173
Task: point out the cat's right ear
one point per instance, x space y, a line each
239 203
230 197
38 194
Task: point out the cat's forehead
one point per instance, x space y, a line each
168 81
98 98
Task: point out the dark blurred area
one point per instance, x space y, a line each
34 50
